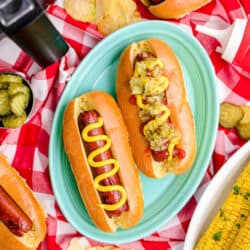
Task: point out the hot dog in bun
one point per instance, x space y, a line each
22 218
152 97
173 9
96 142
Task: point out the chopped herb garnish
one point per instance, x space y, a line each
236 190
246 196
221 213
238 225
217 236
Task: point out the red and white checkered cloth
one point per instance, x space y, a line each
27 147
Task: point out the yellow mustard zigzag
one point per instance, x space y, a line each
98 164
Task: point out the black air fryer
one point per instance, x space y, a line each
25 22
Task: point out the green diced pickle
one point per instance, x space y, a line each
4 102
4 85
10 78
17 104
13 121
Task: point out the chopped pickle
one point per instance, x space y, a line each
236 116
15 97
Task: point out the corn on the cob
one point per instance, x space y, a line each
242 241
232 216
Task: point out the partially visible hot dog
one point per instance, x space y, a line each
96 142
22 218
111 197
173 9
12 215
151 94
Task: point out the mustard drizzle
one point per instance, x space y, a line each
97 164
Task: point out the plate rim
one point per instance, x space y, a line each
214 125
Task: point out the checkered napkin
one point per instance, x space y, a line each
27 147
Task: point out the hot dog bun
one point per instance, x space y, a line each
173 9
180 112
115 128
20 192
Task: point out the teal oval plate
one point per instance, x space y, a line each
164 198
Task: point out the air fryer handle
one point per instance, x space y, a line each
27 25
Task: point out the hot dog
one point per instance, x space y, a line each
173 9
151 94
91 117
22 218
96 143
12 216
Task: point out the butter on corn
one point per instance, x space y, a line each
231 217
